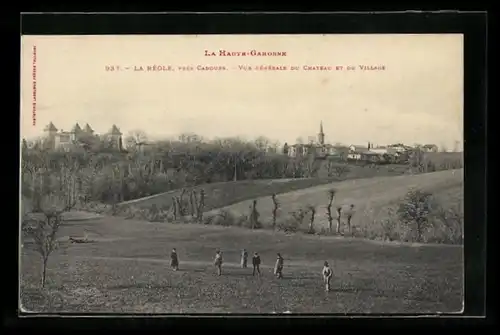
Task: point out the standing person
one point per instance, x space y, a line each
278 268
327 276
256 263
218 262
174 260
244 258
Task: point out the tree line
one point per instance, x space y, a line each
94 172
91 173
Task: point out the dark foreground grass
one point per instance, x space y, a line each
126 269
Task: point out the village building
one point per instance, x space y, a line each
375 154
366 153
319 149
401 148
386 150
429 148
363 153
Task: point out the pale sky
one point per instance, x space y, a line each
418 98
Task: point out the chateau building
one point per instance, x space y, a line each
59 139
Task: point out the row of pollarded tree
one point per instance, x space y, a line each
189 213
418 218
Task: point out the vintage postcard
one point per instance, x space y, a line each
242 174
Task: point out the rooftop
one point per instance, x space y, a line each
88 129
50 127
76 128
114 130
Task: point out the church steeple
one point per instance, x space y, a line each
321 135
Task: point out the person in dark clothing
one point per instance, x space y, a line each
174 260
278 268
327 276
218 262
256 263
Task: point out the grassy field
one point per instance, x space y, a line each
125 269
372 197
125 265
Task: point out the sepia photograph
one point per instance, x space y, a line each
254 174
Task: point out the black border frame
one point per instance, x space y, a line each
474 27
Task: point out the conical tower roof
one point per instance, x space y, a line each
76 128
50 127
114 130
88 129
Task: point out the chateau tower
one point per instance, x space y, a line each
50 129
116 137
88 129
50 132
321 135
75 132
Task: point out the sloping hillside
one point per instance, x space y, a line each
226 193
369 196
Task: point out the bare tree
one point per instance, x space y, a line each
175 210
136 139
329 167
31 169
331 196
339 219
254 215
309 165
70 179
275 210
417 159
350 214
181 204
192 203
24 145
43 227
201 206
36 166
275 146
311 209
262 143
